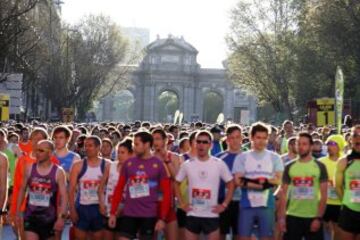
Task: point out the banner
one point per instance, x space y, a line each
339 97
4 107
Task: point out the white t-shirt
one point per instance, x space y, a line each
203 180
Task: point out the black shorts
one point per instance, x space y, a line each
349 220
298 228
332 213
229 219
106 224
203 225
131 226
43 230
181 218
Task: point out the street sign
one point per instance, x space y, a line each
4 107
325 112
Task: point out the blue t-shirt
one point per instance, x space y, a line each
229 159
255 165
66 161
216 148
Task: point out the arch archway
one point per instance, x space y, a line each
213 104
168 102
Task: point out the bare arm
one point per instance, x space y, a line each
61 181
102 186
230 192
282 193
339 177
277 179
323 198
4 167
75 169
240 183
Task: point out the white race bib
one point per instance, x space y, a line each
355 191
258 198
89 190
303 188
200 199
39 195
332 192
139 187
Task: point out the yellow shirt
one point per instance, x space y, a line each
330 165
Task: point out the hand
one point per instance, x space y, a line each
118 212
74 216
282 225
112 221
218 209
103 209
59 225
315 225
160 225
17 221
186 207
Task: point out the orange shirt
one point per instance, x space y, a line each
26 148
22 162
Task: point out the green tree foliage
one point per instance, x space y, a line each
286 51
213 106
168 104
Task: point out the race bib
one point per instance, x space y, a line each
40 194
89 192
331 191
355 191
139 187
258 198
201 199
303 188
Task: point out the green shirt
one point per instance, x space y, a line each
12 162
352 186
304 180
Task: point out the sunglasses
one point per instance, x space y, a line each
40 150
202 142
331 144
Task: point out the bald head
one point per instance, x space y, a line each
46 144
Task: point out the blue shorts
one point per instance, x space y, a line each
264 217
90 219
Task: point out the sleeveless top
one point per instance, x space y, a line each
89 180
66 161
42 195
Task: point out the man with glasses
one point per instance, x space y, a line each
45 183
347 185
204 173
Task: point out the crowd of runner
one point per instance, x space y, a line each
174 182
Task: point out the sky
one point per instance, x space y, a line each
203 23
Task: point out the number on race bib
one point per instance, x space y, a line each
39 194
201 199
303 188
139 187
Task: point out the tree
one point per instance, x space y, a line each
90 61
262 42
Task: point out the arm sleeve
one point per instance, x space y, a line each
323 172
286 179
278 163
165 185
226 175
180 176
239 164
